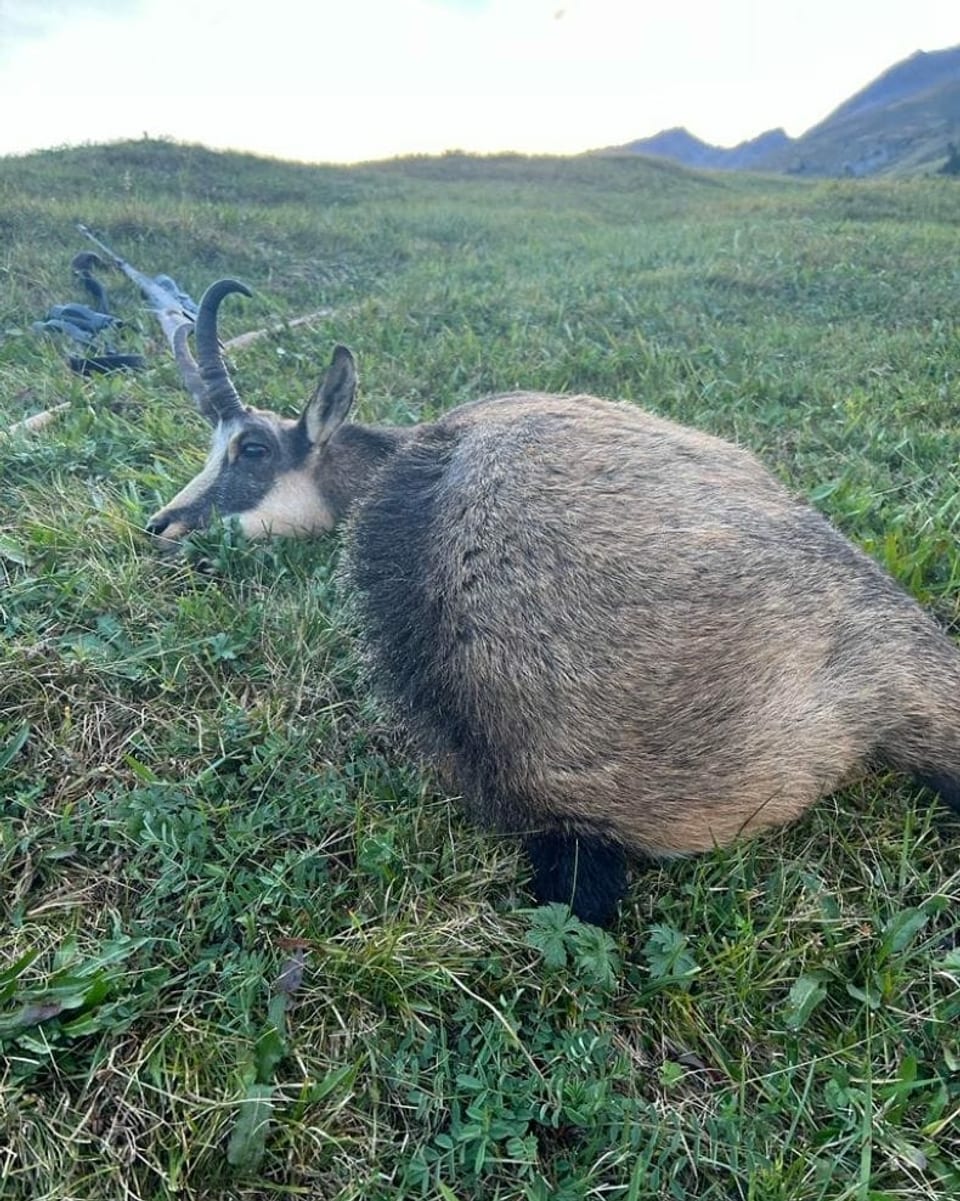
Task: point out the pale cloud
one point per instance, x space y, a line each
23 21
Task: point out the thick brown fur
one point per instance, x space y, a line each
620 635
612 625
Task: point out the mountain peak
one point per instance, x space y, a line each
902 121
922 71
679 144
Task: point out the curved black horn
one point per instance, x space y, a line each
222 400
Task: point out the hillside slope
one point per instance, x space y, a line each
922 72
901 123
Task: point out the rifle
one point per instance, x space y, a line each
171 308
174 311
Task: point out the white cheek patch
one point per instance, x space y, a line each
291 507
202 483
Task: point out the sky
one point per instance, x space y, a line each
354 80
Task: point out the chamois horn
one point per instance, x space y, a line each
222 399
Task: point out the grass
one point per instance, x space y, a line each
248 948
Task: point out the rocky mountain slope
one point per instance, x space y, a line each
903 122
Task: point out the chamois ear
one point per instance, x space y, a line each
330 404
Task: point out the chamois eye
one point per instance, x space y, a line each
254 450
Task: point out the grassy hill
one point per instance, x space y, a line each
197 796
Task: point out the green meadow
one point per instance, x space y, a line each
248 947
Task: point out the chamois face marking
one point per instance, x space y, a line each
255 472
291 506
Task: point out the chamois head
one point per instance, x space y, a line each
264 470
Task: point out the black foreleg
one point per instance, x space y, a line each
948 787
586 872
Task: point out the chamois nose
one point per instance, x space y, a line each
157 524
168 526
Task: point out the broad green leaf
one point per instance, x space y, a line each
9 752
805 996
249 1139
901 930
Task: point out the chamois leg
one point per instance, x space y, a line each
947 786
922 734
933 763
586 872
928 748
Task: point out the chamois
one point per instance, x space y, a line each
621 637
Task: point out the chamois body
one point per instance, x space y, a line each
619 630
618 635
